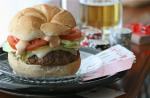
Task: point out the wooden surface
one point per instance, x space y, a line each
134 79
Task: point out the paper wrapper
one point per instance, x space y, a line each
108 62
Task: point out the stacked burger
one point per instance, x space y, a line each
43 41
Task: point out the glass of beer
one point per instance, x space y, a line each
104 15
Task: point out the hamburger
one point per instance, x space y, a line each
43 41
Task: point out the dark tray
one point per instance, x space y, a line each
50 86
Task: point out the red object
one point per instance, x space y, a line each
147 30
31 45
140 29
136 28
141 34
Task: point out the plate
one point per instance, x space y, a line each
50 86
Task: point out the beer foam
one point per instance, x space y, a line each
97 3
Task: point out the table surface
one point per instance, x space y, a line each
135 77
133 80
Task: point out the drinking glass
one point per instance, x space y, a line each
102 15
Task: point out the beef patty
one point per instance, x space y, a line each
54 58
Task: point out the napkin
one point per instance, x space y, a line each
108 62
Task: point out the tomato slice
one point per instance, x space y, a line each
12 41
73 35
34 44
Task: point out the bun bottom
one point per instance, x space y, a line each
23 69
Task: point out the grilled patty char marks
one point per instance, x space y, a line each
53 58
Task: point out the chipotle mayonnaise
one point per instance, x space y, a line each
21 46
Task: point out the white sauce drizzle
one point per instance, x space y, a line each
54 41
21 46
46 38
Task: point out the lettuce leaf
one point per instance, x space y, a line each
71 44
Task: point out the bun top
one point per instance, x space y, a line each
41 20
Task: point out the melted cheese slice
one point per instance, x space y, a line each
42 51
